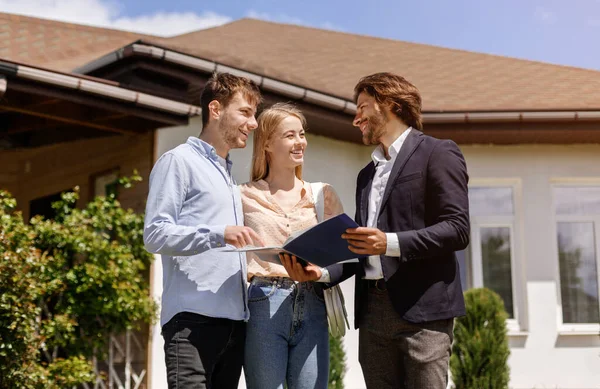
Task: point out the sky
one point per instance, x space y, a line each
555 31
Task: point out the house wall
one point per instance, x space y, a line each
543 355
33 173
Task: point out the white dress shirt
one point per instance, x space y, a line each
383 168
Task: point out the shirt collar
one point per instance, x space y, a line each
378 156
206 149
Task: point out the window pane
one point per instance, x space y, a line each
464 266
577 200
490 201
496 264
578 276
106 184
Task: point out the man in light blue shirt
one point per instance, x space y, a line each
193 211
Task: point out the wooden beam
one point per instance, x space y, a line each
32 106
70 121
43 125
22 123
83 99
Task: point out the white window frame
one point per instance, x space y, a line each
517 325
574 328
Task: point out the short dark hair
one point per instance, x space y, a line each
222 87
395 91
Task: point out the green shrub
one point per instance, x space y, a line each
337 363
480 350
65 285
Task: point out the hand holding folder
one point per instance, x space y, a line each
321 244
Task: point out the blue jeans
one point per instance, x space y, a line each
287 338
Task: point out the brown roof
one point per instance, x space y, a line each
56 45
328 62
449 80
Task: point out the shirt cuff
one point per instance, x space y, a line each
393 245
325 277
217 236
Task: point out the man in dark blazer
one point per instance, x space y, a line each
412 206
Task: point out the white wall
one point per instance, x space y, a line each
540 356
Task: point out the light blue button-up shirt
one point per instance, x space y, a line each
192 198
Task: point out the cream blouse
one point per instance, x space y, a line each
274 226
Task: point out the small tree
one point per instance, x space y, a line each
480 350
337 363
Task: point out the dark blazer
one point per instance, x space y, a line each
426 204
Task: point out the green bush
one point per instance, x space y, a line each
65 285
337 363
21 288
480 350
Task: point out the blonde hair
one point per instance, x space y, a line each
268 121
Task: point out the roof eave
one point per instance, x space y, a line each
335 103
96 88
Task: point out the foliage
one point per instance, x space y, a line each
337 363
480 350
65 285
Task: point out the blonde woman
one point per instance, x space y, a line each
287 340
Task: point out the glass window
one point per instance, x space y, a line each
578 220
496 266
487 262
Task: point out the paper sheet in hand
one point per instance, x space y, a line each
322 244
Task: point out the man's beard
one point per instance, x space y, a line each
375 129
231 135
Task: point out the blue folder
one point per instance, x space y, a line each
321 244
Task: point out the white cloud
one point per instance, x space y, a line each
167 24
331 26
593 22
107 13
544 15
282 18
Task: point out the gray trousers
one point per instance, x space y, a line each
394 353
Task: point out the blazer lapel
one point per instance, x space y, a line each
364 195
408 148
